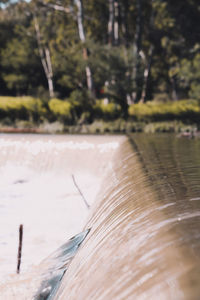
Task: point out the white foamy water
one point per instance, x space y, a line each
37 190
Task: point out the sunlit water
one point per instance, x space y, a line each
37 190
144 241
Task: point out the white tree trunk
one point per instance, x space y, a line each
174 89
50 72
116 22
147 72
80 20
82 37
137 47
45 57
111 23
51 88
124 15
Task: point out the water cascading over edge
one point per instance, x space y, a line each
139 246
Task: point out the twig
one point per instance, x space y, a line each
20 248
76 185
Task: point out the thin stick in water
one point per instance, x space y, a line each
76 185
20 248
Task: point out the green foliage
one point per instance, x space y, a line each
81 103
113 73
21 68
156 57
154 111
189 73
106 111
61 109
195 89
24 108
80 98
15 81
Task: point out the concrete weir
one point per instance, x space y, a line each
144 239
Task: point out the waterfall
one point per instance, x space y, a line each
144 241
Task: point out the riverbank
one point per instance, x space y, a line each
118 126
31 115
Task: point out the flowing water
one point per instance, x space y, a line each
144 239
37 190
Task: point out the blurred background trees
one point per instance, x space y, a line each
116 51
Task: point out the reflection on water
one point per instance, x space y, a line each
37 190
145 239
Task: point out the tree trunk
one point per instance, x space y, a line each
50 72
139 26
116 22
137 46
113 23
45 57
80 18
147 75
174 88
124 21
146 89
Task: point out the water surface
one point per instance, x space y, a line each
37 190
145 226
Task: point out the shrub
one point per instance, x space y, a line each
185 110
106 111
81 106
61 110
24 108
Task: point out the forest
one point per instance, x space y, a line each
78 61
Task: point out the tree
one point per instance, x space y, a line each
121 50
189 73
137 49
45 57
20 67
113 23
80 18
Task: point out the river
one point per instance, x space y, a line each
144 241
37 190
